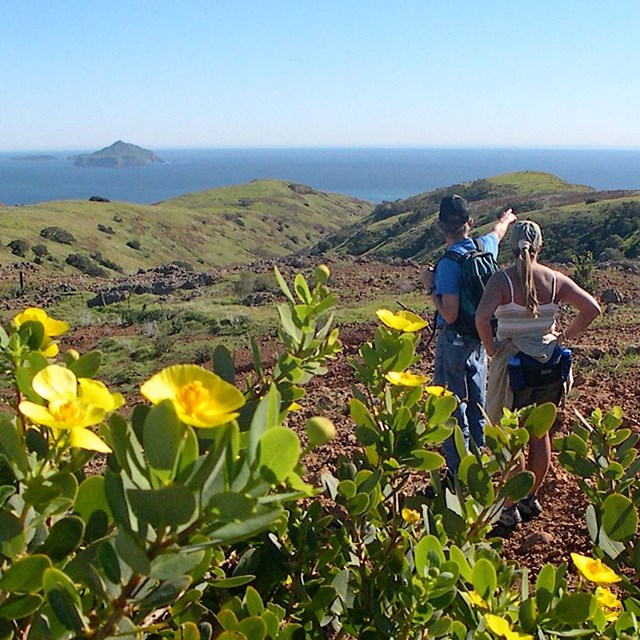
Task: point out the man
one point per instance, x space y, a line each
460 360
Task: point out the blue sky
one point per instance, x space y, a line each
80 74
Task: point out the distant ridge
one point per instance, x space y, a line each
119 154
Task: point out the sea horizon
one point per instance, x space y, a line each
375 174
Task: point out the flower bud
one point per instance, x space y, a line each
320 431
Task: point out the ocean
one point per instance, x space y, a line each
372 174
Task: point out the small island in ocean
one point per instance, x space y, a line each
35 157
119 154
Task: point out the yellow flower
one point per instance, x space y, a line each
476 600
594 570
411 516
401 321
438 392
52 328
294 406
200 397
405 379
610 605
502 628
71 408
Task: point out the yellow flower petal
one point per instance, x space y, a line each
85 439
55 381
609 603
476 600
63 413
411 516
438 391
51 326
402 320
405 378
502 628
594 570
96 393
200 397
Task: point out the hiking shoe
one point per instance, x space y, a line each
510 518
529 508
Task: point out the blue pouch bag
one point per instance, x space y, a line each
526 372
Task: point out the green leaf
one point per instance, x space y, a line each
167 592
266 416
518 486
132 553
484 578
11 447
360 414
253 602
17 607
232 583
173 563
302 288
619 517
541 419
25 575
87 365
165 507
64 599
109 562
223 364
427 553
575 608
10 526
278 453
230 506
441 409
91 497
64 536
283 285
427 460
458 556
163 435
235 531
545 587
287 323
475 476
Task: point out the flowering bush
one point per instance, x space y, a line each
201 523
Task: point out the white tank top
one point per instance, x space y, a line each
516 320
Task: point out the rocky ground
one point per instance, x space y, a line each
607 365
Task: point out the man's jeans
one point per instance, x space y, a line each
461 366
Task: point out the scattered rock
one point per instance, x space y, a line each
611 296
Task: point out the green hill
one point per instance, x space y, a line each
575 219
236 224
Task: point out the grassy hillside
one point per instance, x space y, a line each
236 224
575 218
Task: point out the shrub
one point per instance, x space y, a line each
250 282
584 266
18 247
57 234
86 265
40 250
105 262
134 244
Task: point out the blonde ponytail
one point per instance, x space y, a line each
524 269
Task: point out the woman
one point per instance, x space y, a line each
524 299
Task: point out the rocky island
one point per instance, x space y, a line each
119 154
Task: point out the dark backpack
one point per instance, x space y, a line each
477 267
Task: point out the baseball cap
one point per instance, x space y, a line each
525 233
454 211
